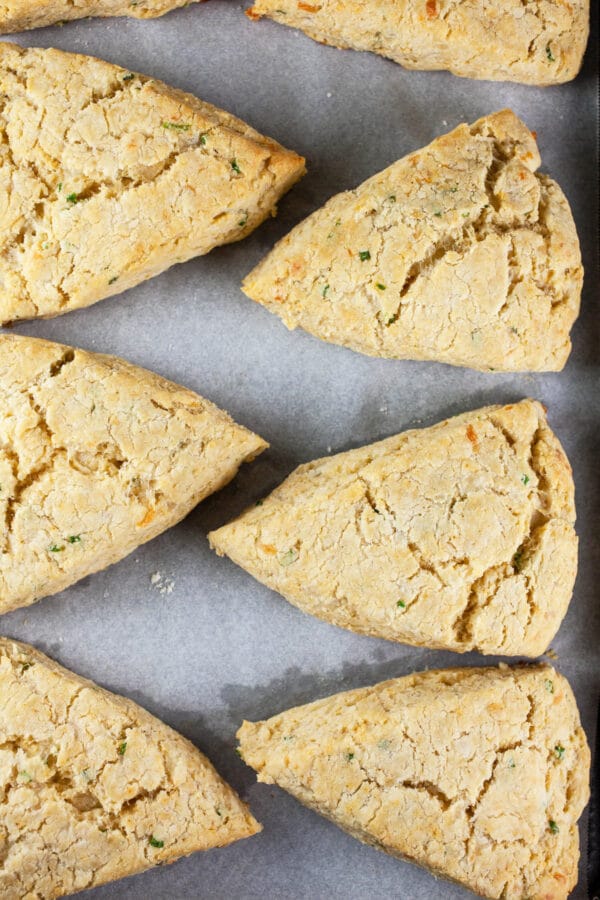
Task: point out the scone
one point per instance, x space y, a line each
18 15
479 775
458 537
97 456
108 177
93 787
534 43
458 253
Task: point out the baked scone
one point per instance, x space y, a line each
93 787
459 536
479 775
97 456
534 43
118 177
19 15
458 253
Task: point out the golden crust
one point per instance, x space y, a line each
479 775
459 536
112 182
539 43
97 456
93 787
458 253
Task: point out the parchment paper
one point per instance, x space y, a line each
205 645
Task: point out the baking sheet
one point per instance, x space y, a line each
193 638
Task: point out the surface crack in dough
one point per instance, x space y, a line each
83 767
470 798
96 457
113 181
458 536
458 253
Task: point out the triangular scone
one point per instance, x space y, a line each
479 775
19 15
458 536
93 787
541 43
97 456
108 177
458 253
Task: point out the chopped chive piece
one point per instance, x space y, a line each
392 198
25 666
243 221
553 826
128 77
380 286
113 279
393 319
438 213
324 291
56 549
559 751
177 126
259 502
525 479
364 255
59 186
72 198
287 558
202 140
517 560
401 604
549 53
154 842
235 166
25 776
349 756
122 748
549 685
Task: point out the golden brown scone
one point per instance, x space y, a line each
458 253
19 15
108 177
540 43
479 775
97 456
93 787
459 536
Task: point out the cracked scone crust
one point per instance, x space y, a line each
540 42
459 536
118 177
97 456
92 787
479 775
458 253
19 15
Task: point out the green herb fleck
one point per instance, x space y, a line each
392 198
453 190
113 279
177 126
549 53
517 560
218 811
401 604
243 221
438 213
465 215
553 826
349 756
74 539
511 763
288 737
239 752
549 685
128 77
324 291
559 751
25 666
514 330
393 319
202 140
525 479
380 286
235 167
364 255
122 748
59 186
154 842
56 549
72 198
25 776
287 558
259 502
